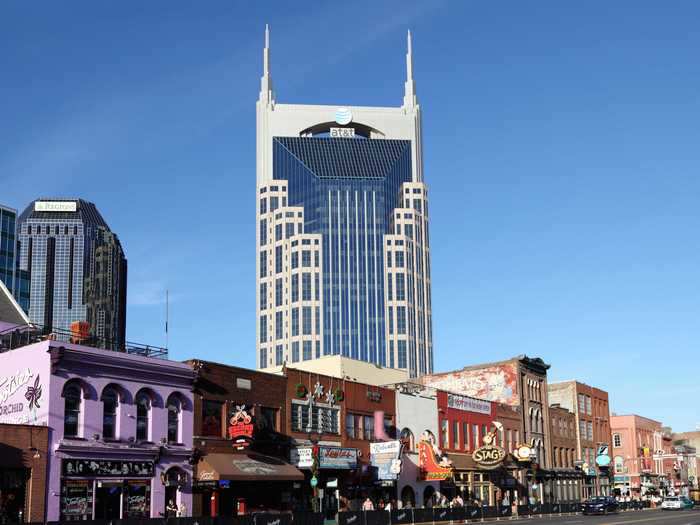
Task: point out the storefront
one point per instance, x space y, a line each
105 489
567 485
483 485
329 472
240 483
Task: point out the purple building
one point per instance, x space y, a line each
120 428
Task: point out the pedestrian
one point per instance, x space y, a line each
181 510
171 509
368 505
388 506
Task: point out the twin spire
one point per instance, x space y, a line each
267 94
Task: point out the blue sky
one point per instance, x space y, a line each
560 142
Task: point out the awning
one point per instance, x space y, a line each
246 467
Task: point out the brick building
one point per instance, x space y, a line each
24 451
519 383
223 483
591 409
635 442
335 420
563 436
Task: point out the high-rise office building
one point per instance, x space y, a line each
12 277
343 263
76 270
8 246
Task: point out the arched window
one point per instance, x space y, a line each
143 416
408 440
71 419
110 402
174 408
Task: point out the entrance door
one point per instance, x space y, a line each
171 504
108 502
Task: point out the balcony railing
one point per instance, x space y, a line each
19 336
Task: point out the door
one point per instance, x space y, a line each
108 502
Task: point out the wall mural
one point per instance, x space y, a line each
22 399
495 383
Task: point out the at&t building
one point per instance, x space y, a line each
343 247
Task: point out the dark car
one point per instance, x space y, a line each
600 505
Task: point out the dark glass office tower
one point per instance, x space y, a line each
342 220
8 246
76 269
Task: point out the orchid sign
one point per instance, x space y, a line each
21 398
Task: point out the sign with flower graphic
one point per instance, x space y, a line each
21 398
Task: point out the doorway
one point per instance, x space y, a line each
108 501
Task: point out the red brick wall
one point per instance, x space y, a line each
356 400
15 443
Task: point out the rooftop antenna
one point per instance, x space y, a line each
409 98
266 93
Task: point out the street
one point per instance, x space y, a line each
650 517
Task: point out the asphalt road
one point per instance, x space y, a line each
648 517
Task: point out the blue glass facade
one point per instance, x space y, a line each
8 245
349 189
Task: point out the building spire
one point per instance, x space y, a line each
266 93
409 98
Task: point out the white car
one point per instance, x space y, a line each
675 503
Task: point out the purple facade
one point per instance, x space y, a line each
120 428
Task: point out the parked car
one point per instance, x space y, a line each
600 505
676 503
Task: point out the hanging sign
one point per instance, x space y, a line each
337 458
301 457
523 452
489 456
430 468
386 457
240 428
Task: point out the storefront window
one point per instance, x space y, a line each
71 418
211 418
268 417
173 419
408 440
368 427
143 409
76 500
137 500
444 433
109 413
350 426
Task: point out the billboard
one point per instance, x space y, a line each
496 383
